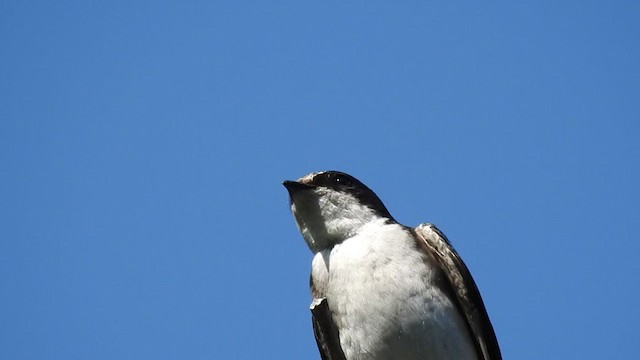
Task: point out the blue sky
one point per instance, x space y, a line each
143 145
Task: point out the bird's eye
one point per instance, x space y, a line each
342 180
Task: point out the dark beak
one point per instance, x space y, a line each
294 186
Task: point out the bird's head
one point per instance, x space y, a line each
331 206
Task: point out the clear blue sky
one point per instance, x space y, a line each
143 145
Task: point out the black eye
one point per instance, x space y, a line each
342 180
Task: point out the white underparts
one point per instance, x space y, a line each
385 300
383 293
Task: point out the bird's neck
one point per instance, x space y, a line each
338 230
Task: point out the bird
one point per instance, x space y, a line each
380 289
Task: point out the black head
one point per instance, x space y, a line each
342 182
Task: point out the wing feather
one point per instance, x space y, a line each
325 331
465 291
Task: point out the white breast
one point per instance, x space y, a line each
384 299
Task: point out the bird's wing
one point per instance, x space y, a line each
463 288
325 331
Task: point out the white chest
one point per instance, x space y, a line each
385 301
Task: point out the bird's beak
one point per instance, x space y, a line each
295 186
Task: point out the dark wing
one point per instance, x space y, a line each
325 331
465 291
